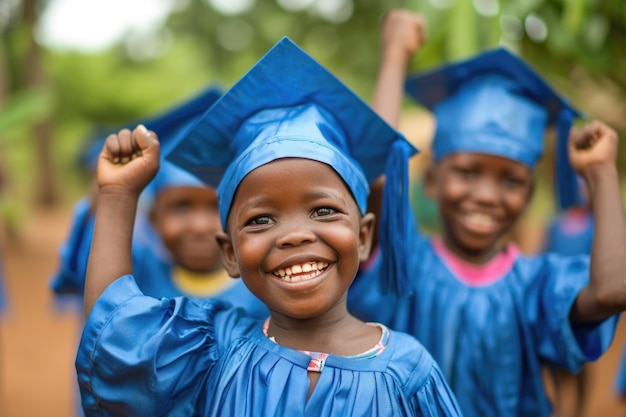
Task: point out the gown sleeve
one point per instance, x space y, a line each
423 383
142 356
435 398
561 342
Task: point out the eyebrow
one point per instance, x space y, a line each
313 194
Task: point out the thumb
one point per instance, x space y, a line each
145 142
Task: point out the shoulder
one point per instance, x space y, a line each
409 361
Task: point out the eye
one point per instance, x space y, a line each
323 211
260 220
179 206
513 182
464 172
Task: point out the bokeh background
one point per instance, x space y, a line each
71 69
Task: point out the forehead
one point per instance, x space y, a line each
290 181
300 173
486 161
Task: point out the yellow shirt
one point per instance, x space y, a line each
195 284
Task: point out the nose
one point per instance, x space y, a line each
294 233
203 222
486 191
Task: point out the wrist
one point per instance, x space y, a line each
599 173
397 56
117 193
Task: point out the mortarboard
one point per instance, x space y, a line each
288 105
170 126
495 103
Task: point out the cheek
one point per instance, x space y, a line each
452 191
170 227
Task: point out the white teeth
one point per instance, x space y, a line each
481 219
297 273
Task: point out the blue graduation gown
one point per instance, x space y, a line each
561 240
152 264
491 341
140 356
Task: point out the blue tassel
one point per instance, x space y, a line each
394 224
566 185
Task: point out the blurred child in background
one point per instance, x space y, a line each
280 147
489 315
174 248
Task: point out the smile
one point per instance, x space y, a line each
301 272
481 219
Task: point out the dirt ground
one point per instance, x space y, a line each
37 340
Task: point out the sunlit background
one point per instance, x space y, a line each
71 69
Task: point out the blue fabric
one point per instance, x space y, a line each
560 241
140 356
152 264
69 278
495 103
491 341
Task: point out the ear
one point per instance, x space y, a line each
366 235
429 182
227 252
531 192
152 216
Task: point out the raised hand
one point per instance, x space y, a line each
128 161
593 145
403 33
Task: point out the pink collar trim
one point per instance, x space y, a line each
475 275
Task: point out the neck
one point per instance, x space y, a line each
335 332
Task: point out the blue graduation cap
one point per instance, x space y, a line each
496 104
170 127
288 105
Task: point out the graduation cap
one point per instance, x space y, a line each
496 104
288 105
170 126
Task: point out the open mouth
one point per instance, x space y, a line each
301 272
480 221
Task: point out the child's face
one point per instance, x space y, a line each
480 197
187 220
296 216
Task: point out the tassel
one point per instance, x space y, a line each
395 224
566 186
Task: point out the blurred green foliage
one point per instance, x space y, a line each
576 44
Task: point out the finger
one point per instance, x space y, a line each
111 149
126 146
145 140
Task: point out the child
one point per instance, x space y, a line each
174 248
490 316
279 146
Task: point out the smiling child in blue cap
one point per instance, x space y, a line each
490 316
280 146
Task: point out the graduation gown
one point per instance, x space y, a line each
140 356
490 341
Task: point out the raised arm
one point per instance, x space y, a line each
127 163
403 34
593 154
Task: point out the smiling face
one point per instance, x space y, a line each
296 237
480 198
187 220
